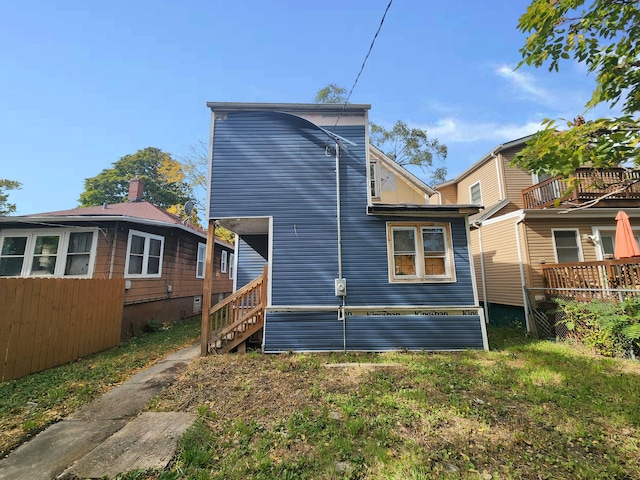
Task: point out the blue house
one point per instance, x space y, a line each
337 248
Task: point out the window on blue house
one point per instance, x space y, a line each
420 252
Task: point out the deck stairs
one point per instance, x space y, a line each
238 317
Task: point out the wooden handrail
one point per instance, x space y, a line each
238 293
239 315
596 275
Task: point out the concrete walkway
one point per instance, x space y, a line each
82 446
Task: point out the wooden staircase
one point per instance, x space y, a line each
238 316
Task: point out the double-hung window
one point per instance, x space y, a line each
202 252
475 194
420 252
567 246
48 253
223 262
144 255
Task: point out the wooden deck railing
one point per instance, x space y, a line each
238 316
591 184
598 275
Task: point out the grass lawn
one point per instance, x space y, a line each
527 409
31 403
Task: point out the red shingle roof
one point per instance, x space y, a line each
142 210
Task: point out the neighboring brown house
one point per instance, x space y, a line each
160 256
528 221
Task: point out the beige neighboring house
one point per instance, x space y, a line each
522 227
393 184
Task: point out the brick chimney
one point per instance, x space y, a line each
136 189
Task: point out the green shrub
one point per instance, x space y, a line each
612 329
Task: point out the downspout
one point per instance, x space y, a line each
341 315
525 298
483 275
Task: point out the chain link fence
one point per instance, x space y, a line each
547 318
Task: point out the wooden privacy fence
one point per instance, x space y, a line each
45 322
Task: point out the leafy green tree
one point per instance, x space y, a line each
195 164
164 180
7 208
404 145
332 93
605 36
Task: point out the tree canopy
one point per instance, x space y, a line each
604 35
404 145
7 208
164 181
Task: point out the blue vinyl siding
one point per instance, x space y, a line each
274 165
252 257
316 331
322 331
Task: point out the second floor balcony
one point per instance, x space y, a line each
616 187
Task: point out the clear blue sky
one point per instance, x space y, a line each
84 83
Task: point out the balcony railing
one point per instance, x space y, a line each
616 187
598 275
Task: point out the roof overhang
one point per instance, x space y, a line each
488 156
591 212
422 210
223 107
62 220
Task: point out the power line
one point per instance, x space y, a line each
364 62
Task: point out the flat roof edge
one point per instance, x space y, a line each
307 107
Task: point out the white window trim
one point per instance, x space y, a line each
145 257
63 247
374 167
232 265
420 277
597 233
471 196
201 257
223 262
578 242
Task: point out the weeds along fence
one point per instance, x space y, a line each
547 318
45 322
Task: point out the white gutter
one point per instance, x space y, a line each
54 221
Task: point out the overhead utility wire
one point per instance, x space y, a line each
364 62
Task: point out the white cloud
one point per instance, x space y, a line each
525 83
454 130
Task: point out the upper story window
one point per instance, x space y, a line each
48 253
223 262
567 246
420 252
232 259
374 178
202 252
475 194
144 255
